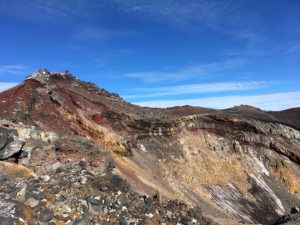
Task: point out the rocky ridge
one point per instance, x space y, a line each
73 153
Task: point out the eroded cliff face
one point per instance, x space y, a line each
240 164
224 163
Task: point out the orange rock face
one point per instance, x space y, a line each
16 170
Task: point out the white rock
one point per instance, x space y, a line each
150 215
83 202
21 194
32 202
65 209
83 180
56 166
46 178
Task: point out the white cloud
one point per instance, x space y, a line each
46 11
6 85
274 101
293 49
181 13
12 69
197 71
193 89
175 12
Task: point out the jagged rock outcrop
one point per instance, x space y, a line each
8 145
239 165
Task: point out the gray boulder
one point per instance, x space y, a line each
8 143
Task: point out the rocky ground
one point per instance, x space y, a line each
73 193
44 181
73 153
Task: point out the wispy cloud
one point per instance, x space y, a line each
174 12
253 45
250 36
293 49
193 89
180 13
96 33
197 71
274 101
12 69
46 11
6 85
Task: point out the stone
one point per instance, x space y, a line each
6 221
103 188
82 164
95 201
56 166
3 177
83 180
85 217
46 215
83 202
150 215
59 222
295 210
237 147
32 202
185 220
15 210
40 195
79 222
22 192
64 209
6 135
123 222
7 208
16 170
46 178
11 149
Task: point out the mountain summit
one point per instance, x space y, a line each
71 151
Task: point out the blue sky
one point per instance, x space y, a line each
161 53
